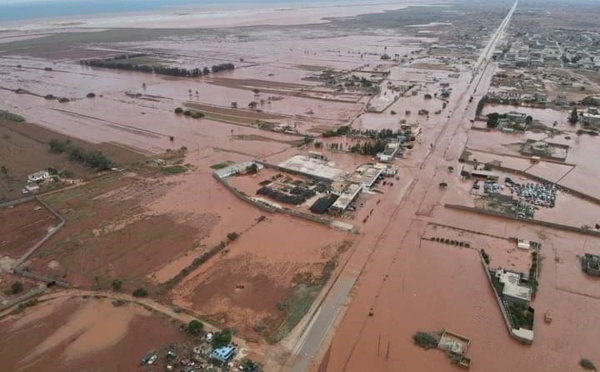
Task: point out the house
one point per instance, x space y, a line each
512 290
38 176
223 354
591 116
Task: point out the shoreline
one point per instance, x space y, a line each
209 17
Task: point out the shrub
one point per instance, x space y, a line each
232 236
195 327
187 113
63 100
179 110
587 364
140 292
10 116
16 288
49 96
197 114
425 340
91 95
116 285
175 169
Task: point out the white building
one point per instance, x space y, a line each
349 194
38 176
591 117
513 290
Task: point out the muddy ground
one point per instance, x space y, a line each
22 226
83 334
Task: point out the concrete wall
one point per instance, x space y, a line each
534 222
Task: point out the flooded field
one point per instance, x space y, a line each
162 222
79 334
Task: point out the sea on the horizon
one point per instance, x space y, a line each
40 9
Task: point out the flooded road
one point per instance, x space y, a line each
408 285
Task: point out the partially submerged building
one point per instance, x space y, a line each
346 198
591 117
478 171
366 175
590 264
312 167
512 289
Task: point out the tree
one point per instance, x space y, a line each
4 171
232 236
574 118
195 327
16 287
587 364
252 169
140 292
528 119
221 339
116 285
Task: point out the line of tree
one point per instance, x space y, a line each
369 148
118 63
92 159
574 118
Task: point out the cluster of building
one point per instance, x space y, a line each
201 357
344 188
560 47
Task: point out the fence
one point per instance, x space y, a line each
501 305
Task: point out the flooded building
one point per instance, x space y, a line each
512 289
478 171
346 198
590 264
312 167
591 117
366 175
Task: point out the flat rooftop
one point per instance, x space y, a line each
347 196
366 176
313 167
512 288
